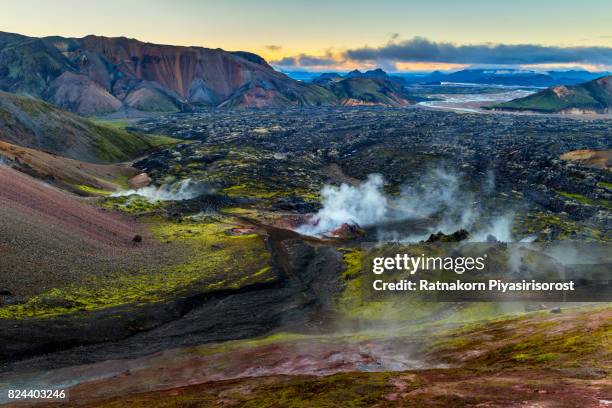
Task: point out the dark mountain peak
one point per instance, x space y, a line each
605 81
7 38
249 56
326 77
376 73
329 75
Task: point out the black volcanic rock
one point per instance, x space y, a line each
456 236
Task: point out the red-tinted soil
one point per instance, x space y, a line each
50 238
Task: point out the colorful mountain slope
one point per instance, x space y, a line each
29 122
72 175
40 219
98 75
94 75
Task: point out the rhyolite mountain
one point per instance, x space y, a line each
590 97
32 123
93 75
97 75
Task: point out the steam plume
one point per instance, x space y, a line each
439 197
364 205
182 190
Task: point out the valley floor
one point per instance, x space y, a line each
539 359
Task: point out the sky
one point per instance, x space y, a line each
340 35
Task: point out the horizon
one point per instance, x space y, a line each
363 68
320 37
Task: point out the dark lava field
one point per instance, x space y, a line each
509 162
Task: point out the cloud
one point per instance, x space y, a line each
305 60
420 49
273 47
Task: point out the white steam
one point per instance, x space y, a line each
439 193
182 190
364 205
499 228
439 199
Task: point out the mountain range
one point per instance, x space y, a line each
507 77
98 75
590 97
511 77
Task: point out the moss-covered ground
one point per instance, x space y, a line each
207 259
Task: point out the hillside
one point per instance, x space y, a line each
32 123
369 91
374 87
96 75
590 97
72 175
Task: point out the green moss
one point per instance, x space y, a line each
344 389
521 357
116 124
585 200
605 184
351 298
162 140
350 390
215 261
580 198
541 224
530 341
546 357
93 190
114 145
353 261
31 106
251 190
134 204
